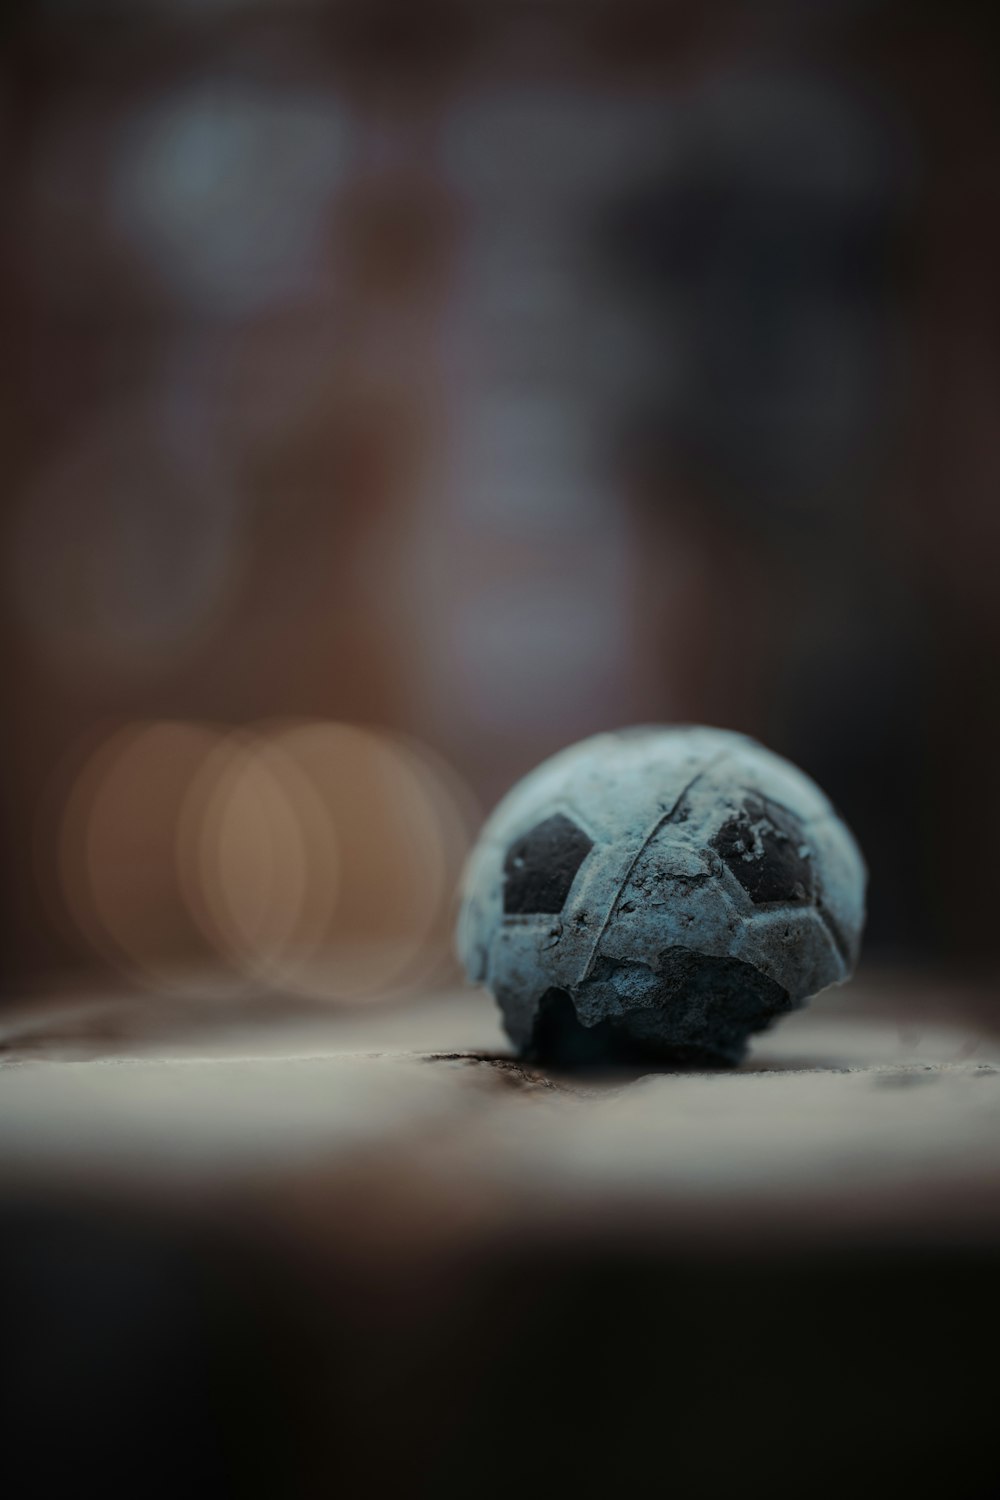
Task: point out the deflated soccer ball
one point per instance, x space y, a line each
659 894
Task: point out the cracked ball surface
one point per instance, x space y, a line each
659 894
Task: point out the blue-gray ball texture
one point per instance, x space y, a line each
659 894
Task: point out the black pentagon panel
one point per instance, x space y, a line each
541 865
765 847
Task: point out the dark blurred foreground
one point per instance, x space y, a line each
164 1357
281 1260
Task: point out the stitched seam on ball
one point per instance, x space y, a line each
834 934
651 835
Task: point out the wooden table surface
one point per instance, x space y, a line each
441 1240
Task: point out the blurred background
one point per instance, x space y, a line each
397 392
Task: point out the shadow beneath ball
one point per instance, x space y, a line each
561 1041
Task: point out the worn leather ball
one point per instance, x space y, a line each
659 894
